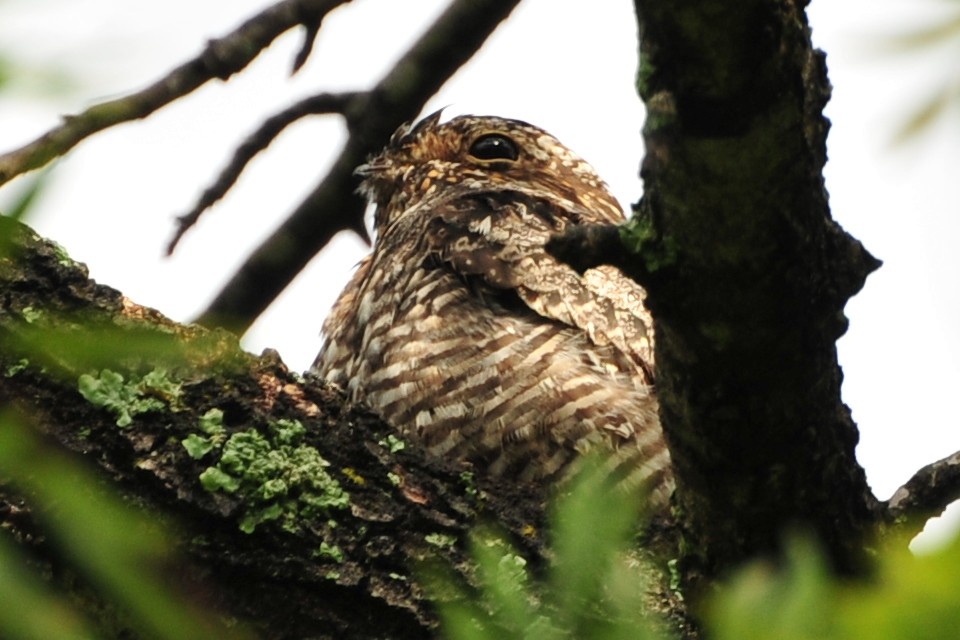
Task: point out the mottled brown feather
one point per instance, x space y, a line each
461 331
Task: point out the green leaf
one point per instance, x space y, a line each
16 367
507 584
393 443
158 383
331 551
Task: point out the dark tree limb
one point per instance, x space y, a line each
56 324
333 206
926 495
323 103
747 276
221 58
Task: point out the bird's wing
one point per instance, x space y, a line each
499 237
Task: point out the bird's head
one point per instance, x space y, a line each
423 162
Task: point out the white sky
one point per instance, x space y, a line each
559 65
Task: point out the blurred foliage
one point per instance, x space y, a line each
21 80
909 598
121 552
29 608
76 561
6 72
944 34
37 81
594 588
155 357
20 202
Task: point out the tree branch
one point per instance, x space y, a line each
332 207
323 103
220 59
56 324
931 490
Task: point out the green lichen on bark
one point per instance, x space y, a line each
641 239
276 475
129 397
212 435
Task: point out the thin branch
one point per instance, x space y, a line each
332 207
925 495
259 140
311 21
220 59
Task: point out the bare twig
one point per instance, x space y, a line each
925 495
312 25
371 117
221 58
254 144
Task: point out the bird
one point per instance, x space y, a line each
465 335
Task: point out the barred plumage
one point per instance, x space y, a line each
461 331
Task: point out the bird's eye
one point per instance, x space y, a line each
494 146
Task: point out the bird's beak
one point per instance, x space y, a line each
372 167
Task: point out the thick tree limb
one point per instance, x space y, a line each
333 206
926 495
221 58
56 324
747 277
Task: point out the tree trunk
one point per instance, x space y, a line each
748 276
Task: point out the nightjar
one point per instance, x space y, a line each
463 333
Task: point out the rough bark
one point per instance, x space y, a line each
56 324
748 276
